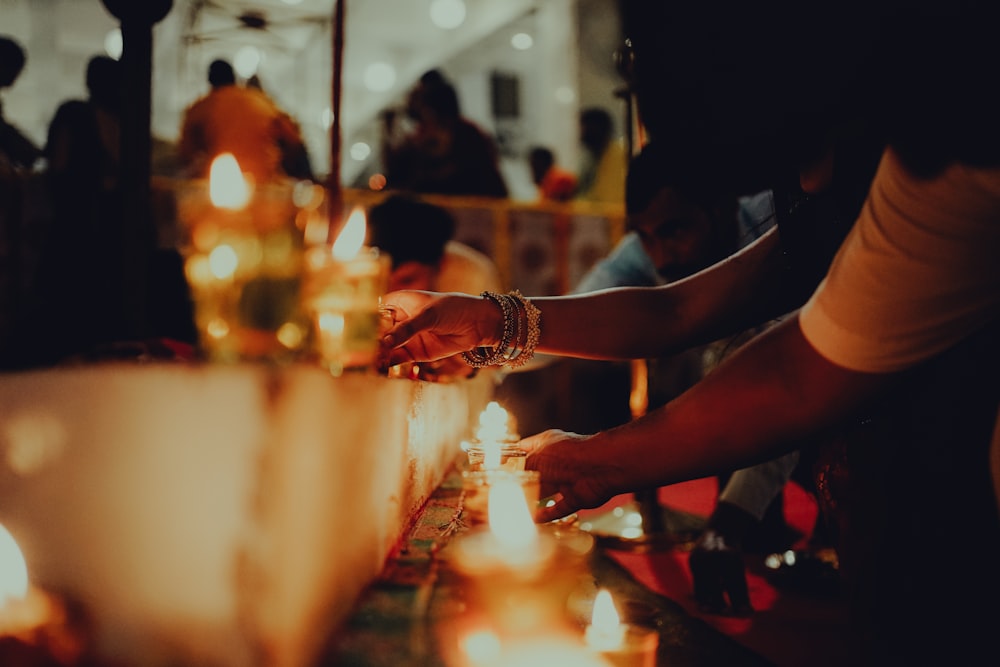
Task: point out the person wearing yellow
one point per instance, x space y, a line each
241 120
605 161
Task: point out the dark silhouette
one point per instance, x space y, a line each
79 267
15 148
446 153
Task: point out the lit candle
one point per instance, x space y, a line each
476 485
550 652
621 644
344 284
242 246
515 535
513 574
29 617
483 648
494 446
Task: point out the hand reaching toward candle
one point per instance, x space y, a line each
429 326
575 470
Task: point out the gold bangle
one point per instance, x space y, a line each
533 328
521 320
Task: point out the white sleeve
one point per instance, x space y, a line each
919 271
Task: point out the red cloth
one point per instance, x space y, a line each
788 628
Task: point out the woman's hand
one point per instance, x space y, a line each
428 326
448 369
577 471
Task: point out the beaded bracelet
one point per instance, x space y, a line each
521 332
533 332
494 356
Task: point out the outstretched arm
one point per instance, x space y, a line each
619 323
758 404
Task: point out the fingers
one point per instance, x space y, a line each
561 505
403 332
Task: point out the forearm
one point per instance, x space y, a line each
627 323
757 405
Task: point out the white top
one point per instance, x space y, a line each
919 271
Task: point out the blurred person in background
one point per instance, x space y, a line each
444 152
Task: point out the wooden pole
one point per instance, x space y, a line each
135 226
334 190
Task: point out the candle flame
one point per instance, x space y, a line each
226 185
509 516
13 571
351 237
492 433
492 424
605 631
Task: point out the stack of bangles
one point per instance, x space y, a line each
522 327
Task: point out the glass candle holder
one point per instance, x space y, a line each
512 575
512 458
476 488
636 647
243 266
621 644
515 592
342 297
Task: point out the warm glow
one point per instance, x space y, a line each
605 631
492 455
226 185
290 335
218 328
222 261
550 652
492 432
351 237
493 424
332 324
482 647
13 571
34 441
510 518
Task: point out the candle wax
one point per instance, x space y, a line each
476 486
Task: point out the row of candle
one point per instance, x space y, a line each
264 282
519 577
